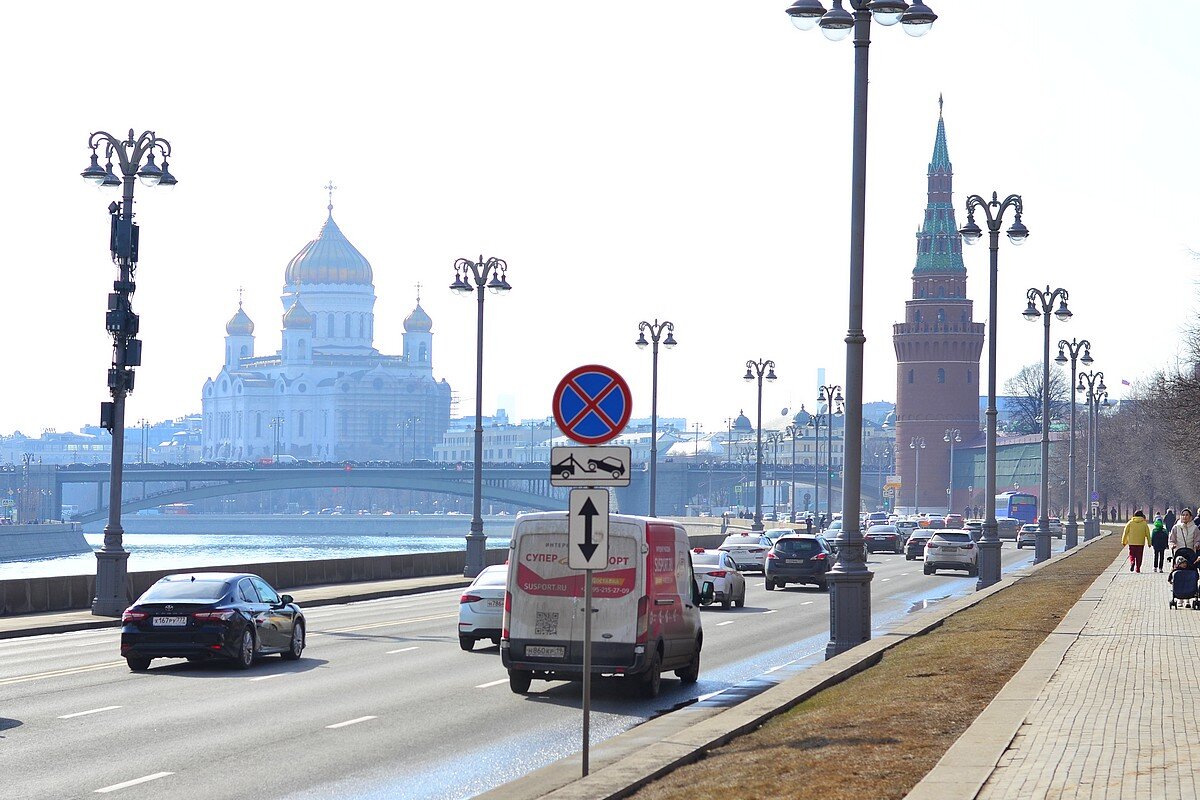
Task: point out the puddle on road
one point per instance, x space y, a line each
921 605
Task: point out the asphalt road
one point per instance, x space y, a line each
384 704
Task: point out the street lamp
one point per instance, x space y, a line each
1043 308
112 560
850 580
1073 347
917 445
757 370
276 424
476 276
144 424
882 458
827 397
989 544
794 432
953 436
1091 385
774 438
815 421
656 329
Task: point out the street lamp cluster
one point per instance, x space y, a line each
1091 386
656 329
759 370
1073 348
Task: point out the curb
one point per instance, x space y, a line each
963 770
627 762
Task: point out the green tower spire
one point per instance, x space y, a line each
939 246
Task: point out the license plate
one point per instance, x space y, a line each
793 561
496 603
949 549
540 651
170 622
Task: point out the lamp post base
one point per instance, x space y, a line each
476 550
1042 550
989 563
112 598
1072 534
1091 529
849 607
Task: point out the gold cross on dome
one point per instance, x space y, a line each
418 291
329 187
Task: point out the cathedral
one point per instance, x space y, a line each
937 351
327 394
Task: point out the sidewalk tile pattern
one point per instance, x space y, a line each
1119 718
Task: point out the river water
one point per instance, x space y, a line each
181 550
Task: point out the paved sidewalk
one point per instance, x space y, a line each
307 596
1105 708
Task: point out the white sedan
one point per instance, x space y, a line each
481 608
719 568
749 550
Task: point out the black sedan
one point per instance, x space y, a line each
204 615
914 548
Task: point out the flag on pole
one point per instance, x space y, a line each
1125 382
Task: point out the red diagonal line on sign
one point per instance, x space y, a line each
592 404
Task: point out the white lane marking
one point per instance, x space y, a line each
491 684
807 603
85 713
401 650
726 622
772 611
772 669
902 574
704 697
268 677
59 673
133 782
354 721
884 580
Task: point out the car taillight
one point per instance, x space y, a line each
771 554
643 619
717 573
756 550
507 611
818 557
213 616
469 598
968 546
133 616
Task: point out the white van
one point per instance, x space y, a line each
646 604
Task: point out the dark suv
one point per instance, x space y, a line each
798 558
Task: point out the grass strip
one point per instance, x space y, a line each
879 732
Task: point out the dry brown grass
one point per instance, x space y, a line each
878 733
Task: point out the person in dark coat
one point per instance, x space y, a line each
1158 541
1169 520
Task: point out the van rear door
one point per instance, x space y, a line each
546 593
615 594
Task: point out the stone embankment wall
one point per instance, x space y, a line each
44 540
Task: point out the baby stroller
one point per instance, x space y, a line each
1184 579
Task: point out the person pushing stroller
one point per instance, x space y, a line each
1184 579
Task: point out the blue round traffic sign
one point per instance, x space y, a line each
592 404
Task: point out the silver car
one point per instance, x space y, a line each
951 549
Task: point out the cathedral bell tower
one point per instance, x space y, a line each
937 351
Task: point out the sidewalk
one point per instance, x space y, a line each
306 596
1105 707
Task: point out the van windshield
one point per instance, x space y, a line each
796 547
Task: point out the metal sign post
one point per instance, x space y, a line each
587 668
587 549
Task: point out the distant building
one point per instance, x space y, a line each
327 393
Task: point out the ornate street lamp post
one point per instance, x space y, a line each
275 425
757 370
815 421
476 276
828 397
953 436
656 329
774 438
1073 347
794 432
1091 385
850 580
1043 308
993 211
917 445
112 560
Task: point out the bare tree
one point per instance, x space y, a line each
1024 391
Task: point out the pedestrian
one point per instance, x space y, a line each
1184 533
1159 538
1136 534
808 524
1169 519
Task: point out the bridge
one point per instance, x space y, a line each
526 486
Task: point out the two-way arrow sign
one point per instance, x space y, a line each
587 529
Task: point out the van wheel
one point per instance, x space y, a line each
651 683
928 569
770 584
466 643
690 673
741 601
909 558
138 663
519 680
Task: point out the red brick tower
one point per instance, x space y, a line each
937 350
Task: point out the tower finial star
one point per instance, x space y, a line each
418 293
241 290
939 105
329 187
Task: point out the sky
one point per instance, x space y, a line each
639 161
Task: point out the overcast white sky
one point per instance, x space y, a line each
686 161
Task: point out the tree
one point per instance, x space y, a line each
1024 391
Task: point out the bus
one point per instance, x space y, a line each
1018 505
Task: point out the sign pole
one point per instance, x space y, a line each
587 667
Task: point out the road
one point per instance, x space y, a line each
384 704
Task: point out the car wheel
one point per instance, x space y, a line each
138 663
909 558
195 659
690 673
296 647
972 572
898 549
519 680
770 584
740 602
1018 545
651 683
245 656
727 602
823 586
466 643
928 569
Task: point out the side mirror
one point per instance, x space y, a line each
708 593
285 599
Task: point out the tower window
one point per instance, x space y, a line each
968 376
964 315
424 354
910 376
941 376
941 315
362 327
329 326
941 291
917 316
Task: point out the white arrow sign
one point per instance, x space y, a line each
587 529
